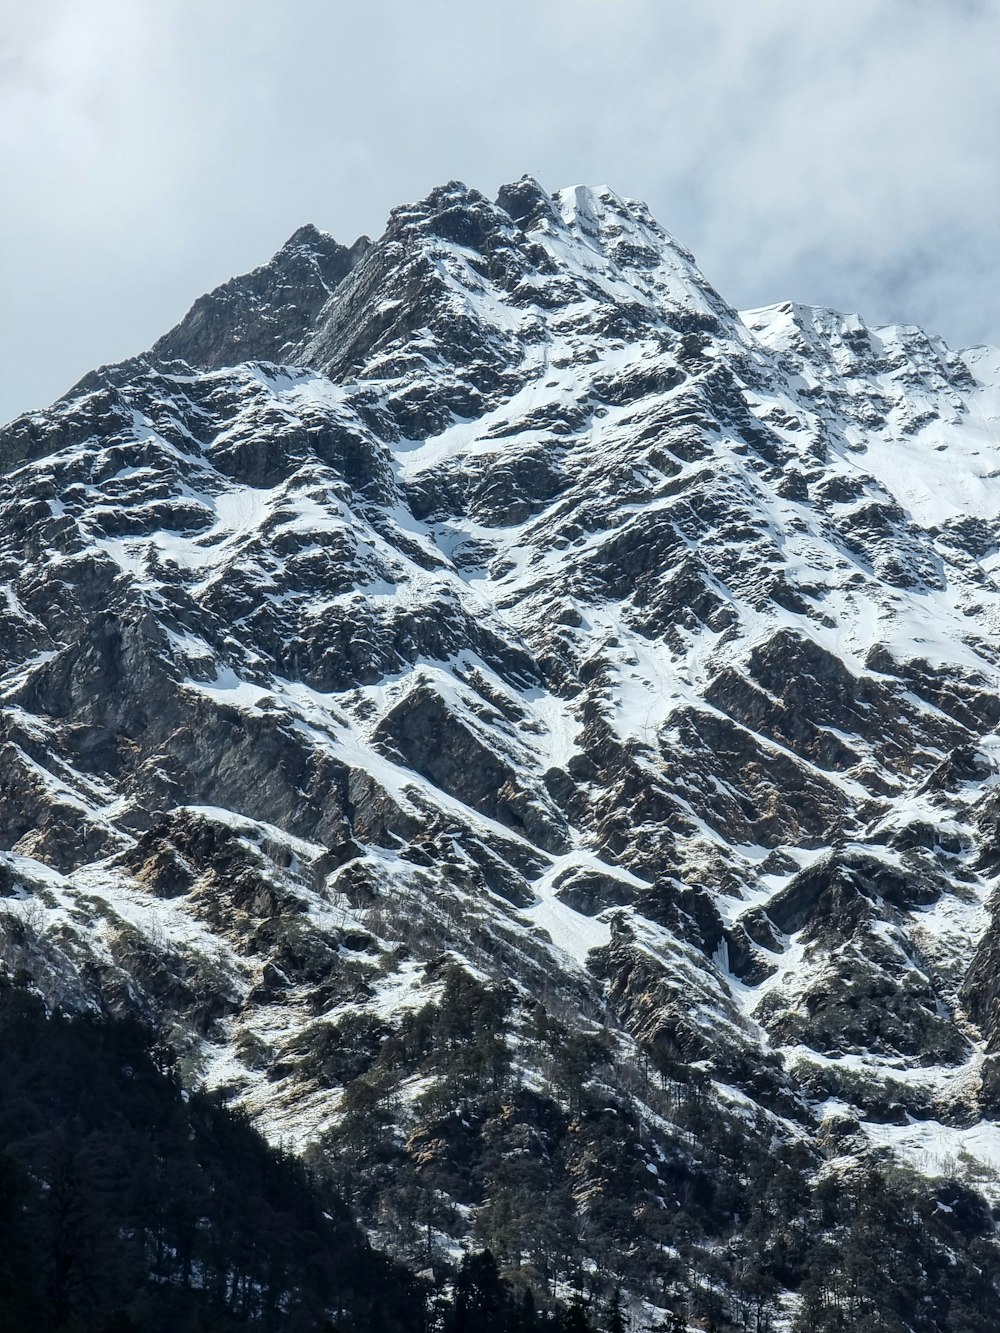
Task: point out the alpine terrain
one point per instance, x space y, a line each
525 735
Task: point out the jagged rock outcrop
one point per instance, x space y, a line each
494 594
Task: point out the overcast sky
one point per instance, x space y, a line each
842 153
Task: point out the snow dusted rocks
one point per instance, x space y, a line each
494 591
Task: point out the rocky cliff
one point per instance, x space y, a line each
489 626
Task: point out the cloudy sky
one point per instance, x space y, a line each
838 153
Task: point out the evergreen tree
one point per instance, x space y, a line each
616 1317
19 1294
574 1317
482 1302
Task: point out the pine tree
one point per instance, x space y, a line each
574 1317
616 1318
482 1302
527 1320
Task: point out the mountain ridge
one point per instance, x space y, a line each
539 617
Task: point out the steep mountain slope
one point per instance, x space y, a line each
541 654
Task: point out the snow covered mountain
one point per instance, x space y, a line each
493 607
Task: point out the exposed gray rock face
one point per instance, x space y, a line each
536 611
263 315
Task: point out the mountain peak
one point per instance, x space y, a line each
543 697
526 202
263 314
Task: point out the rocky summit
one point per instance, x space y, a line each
526 733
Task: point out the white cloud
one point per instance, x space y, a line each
841 154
